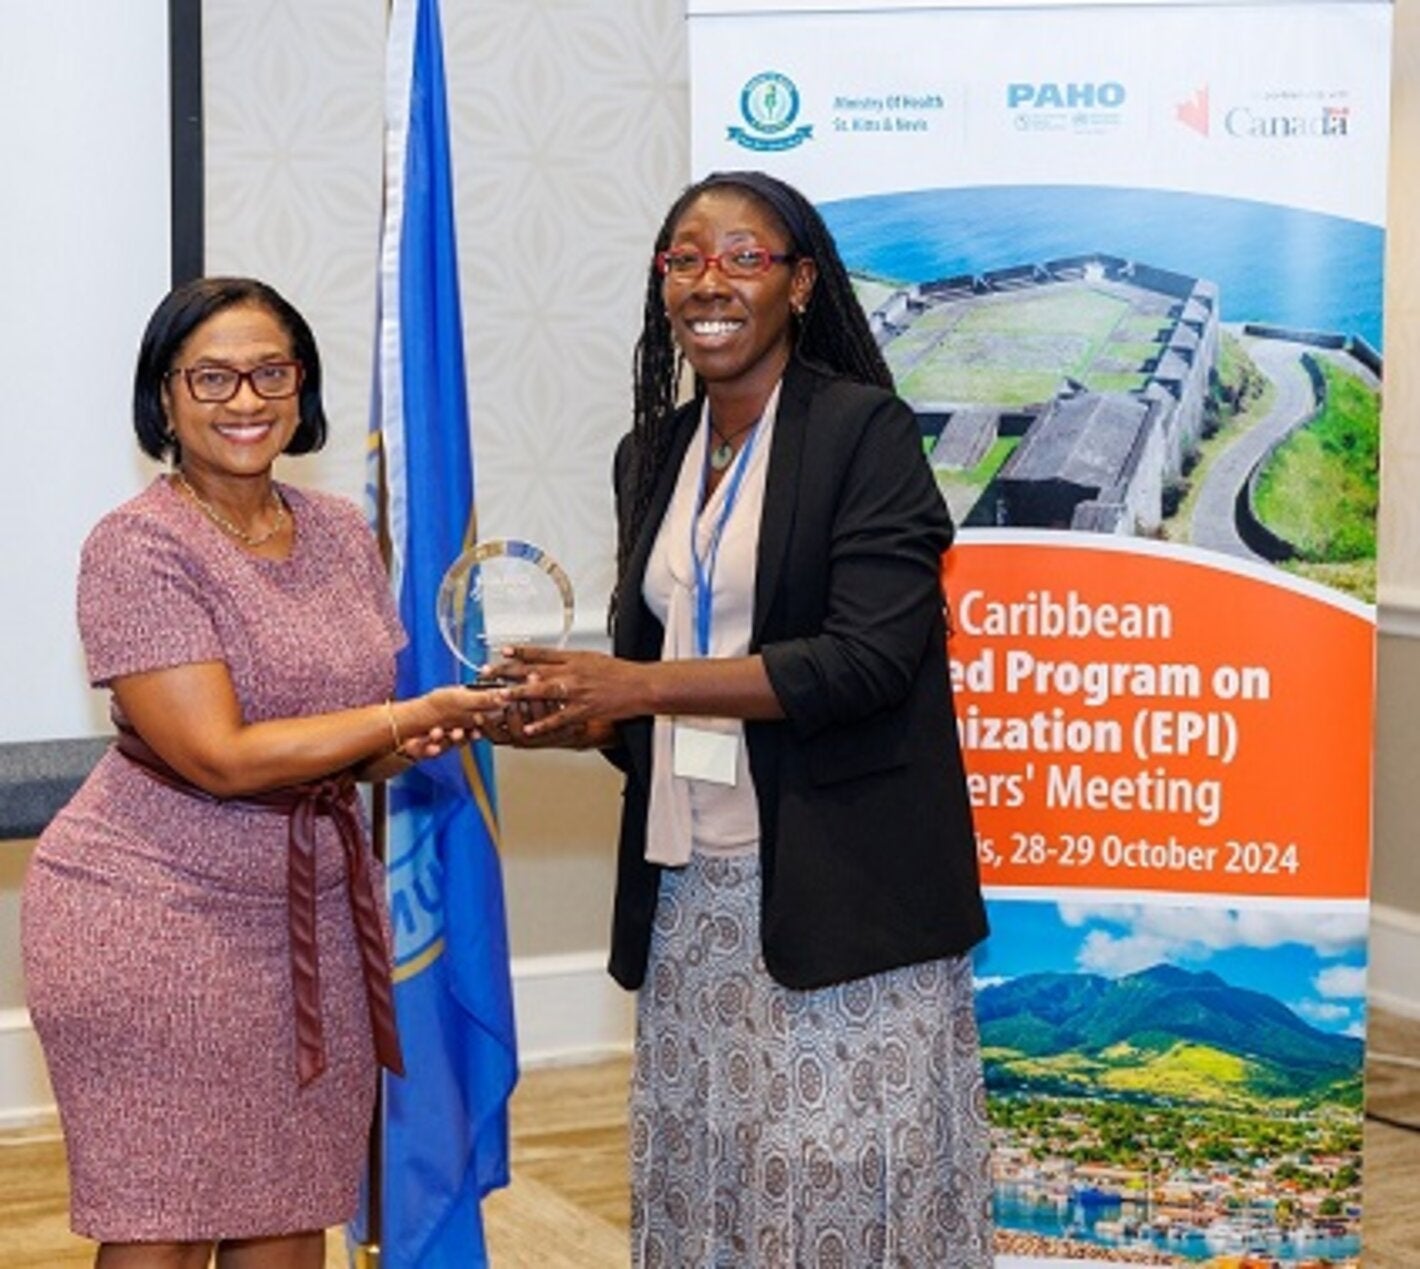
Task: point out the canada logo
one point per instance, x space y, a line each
1193 112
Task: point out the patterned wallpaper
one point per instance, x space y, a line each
293 115
570 127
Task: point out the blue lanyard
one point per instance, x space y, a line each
705 572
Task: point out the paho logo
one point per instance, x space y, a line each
1052 96
1275 116
769 104
1079 107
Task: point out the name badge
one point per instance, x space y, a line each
699 754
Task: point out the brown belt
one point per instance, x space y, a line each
303 803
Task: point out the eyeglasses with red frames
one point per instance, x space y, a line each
686 264
215 384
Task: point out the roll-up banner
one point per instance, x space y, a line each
1125 261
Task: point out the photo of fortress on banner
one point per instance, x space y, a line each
1081 393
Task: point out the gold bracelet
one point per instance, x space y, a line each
397 743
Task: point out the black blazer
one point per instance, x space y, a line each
867 853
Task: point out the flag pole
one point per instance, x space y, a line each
366 1253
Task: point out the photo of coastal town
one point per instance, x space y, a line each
1077 362
1174 1084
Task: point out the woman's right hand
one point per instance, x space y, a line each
515 728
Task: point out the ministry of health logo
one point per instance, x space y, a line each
769 104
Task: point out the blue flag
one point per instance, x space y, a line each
445 1141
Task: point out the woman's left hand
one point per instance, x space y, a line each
557 695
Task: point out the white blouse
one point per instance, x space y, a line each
687 813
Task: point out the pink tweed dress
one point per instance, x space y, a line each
154 924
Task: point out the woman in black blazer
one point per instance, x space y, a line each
797 883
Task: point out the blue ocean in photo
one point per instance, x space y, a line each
1272 263
1101 1226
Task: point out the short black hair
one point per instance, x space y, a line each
181 312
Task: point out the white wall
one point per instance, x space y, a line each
84 258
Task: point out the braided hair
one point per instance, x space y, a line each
832 331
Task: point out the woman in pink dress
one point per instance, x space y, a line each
204 926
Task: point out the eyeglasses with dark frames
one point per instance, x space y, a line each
686 264
213 385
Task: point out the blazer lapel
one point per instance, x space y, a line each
786 456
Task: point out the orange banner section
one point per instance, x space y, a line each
1136 720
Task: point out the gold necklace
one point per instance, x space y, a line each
221 521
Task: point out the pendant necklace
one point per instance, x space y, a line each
221 521
723 454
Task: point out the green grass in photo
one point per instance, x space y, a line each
981 475
1017 348
1147 328
1320 490
872 293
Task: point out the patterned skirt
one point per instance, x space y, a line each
839 1128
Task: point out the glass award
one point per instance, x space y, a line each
500 592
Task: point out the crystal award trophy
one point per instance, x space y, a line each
501 592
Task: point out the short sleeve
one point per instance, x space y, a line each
141 602
360 547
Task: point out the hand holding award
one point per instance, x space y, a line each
503 592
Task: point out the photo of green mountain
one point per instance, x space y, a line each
1163 1033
